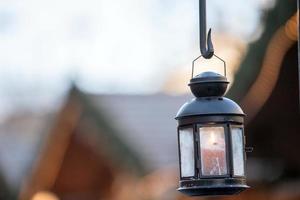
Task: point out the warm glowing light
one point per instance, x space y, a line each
291 29
263 86
44 195
213 151
212 139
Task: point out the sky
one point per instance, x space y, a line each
105 46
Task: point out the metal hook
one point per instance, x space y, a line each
206 52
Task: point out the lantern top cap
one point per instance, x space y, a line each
208 84
209 77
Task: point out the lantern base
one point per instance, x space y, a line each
212 187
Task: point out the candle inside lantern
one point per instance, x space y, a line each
213 151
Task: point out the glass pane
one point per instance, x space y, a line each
186 139
213 151
237 151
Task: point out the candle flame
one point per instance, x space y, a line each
213 139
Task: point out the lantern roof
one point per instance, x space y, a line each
209 106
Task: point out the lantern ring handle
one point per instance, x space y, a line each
223 61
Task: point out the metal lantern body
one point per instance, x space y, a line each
211 140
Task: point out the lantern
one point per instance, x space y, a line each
211 140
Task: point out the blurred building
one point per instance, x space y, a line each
101 146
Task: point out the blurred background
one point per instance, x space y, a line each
89 90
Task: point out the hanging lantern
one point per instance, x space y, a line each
211 139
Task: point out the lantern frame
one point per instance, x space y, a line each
211 109
197 150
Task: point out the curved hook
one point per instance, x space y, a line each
206 51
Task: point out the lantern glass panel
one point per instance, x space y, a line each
213 151
238 151
187 158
